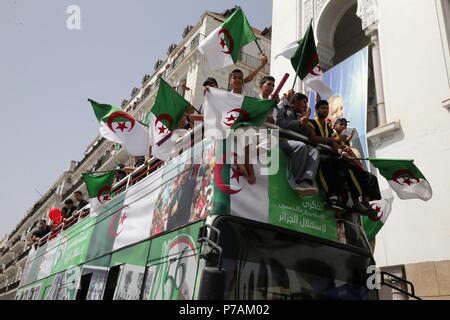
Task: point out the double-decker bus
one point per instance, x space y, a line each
193 229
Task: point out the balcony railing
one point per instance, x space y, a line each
252 61
9 264
119 187
23 255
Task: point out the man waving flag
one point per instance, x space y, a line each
305 61
118 126
163 119
226 110
223 45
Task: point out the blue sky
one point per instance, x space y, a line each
47 72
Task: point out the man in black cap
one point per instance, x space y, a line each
363 186
210 82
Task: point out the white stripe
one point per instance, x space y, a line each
163 151
317 84
216 106
139 206
134 141
214 52
421 190
252 202
288 51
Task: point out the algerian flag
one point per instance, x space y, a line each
223 45
383 207
119 127
134 221
404 178
232 192
99 187
305 61
226 110
163 119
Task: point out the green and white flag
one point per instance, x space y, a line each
271 199
118 126
305 61
163 119
226 110
383 207
99 187
223 45
404 178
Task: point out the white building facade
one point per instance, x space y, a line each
408 117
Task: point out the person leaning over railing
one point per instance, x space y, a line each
363 185
305 158
42 230
333 170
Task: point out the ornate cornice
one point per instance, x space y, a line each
368 13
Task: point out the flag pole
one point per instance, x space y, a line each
106 171
259 47
298 67
296 75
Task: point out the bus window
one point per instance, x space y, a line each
263 262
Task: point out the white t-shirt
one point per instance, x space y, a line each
249 90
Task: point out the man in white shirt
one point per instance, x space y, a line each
246 86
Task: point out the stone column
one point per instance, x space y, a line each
368 13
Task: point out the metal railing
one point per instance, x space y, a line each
23 255
119 187
252 61
9 264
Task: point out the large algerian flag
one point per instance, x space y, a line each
383 207
271 199
163 119
99 187
305 61
226 110
119 127
404 178
223 45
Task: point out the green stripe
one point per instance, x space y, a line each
371 228
389 168
103 111
95 182
169 102
256 112
240 31
305 58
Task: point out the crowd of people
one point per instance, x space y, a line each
339 175
341 178
69 212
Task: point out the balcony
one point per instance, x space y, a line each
10 267
9 287
252 61
23 255
17 245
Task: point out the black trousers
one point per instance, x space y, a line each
367 181
334 171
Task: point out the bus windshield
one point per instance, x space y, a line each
262 263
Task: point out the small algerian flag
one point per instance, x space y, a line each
119 127
226 110
223 45
163 119
383 207
404 178
305 61
99 187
